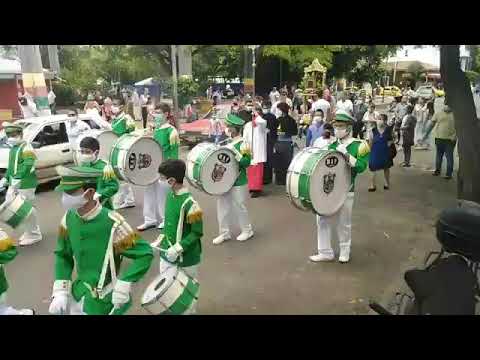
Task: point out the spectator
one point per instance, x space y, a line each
360 109
400 112
137 106
408 134
274 95
144 98
316 129
215 129
107 109
323 105
327 137
381 157
284 145
74 128
91 106
445 140
420 111
52 102
28 106
298 101
345 104
370 119
272 126
283 99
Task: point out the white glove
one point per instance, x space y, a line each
60 294
96 196
3 182
174 252
343 149
238 157
121 293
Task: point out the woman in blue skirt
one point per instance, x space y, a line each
382 152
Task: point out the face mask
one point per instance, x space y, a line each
318 119
73 201
265 111
115 110
86 159
235 109
159 119
249 108
12 141
341 133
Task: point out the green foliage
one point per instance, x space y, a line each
187 90
66 95
416 71
472 76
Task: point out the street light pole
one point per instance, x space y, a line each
174 80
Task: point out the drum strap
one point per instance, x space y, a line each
231 146
180 225
108 259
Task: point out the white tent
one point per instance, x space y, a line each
147 82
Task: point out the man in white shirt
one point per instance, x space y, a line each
274 95
75 127
28 107
345 104
323 105
51 101
370 119
283 98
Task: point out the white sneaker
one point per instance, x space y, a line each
26 312
126 205
344 257
245 235
221 238
162 225
146 226
25 241
321 257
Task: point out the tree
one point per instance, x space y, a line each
416 72
460 99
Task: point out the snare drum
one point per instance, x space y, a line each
212 168
15 210
106 138
172 292
318 180
136 159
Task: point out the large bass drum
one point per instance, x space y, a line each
15 209
173 292
318 180
106 139
212 168
136 159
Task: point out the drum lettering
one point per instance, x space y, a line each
328 182
224 158
144 161
218 172
132 161
331 161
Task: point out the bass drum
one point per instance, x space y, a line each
318 180
211 168
173 292
106 138
15 209
136 159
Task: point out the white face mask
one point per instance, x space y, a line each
86 159
12 141
248 108
341 133
265 111
318 119
115 110
227 132
73 201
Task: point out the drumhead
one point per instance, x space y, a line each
138 158
213 168
330 183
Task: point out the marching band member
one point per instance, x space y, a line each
123 124
21 178
107 185
233 202
8 252
94 240
180 243
357 152
155 194
255 136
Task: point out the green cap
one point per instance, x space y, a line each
343 116
75 177
11 128
233 120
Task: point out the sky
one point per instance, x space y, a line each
427 54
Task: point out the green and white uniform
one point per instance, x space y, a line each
358 154
123 124
155 194
107 185
95 244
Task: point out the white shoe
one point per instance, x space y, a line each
221 238
146 226
162 225
126 205
344 257
321 257
245 235
24 241
26 312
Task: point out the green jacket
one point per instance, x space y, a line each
360 150
167 136
82 243
123 124
241 148
21 165
6 256
191 231
107 185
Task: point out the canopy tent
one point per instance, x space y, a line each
151 84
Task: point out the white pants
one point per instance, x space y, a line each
191 271
344 228
31 224
232 206
124 195
154 199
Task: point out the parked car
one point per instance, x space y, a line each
426 91
48 136
391 91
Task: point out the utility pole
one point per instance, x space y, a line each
53 59
174 81
185 61
33 78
